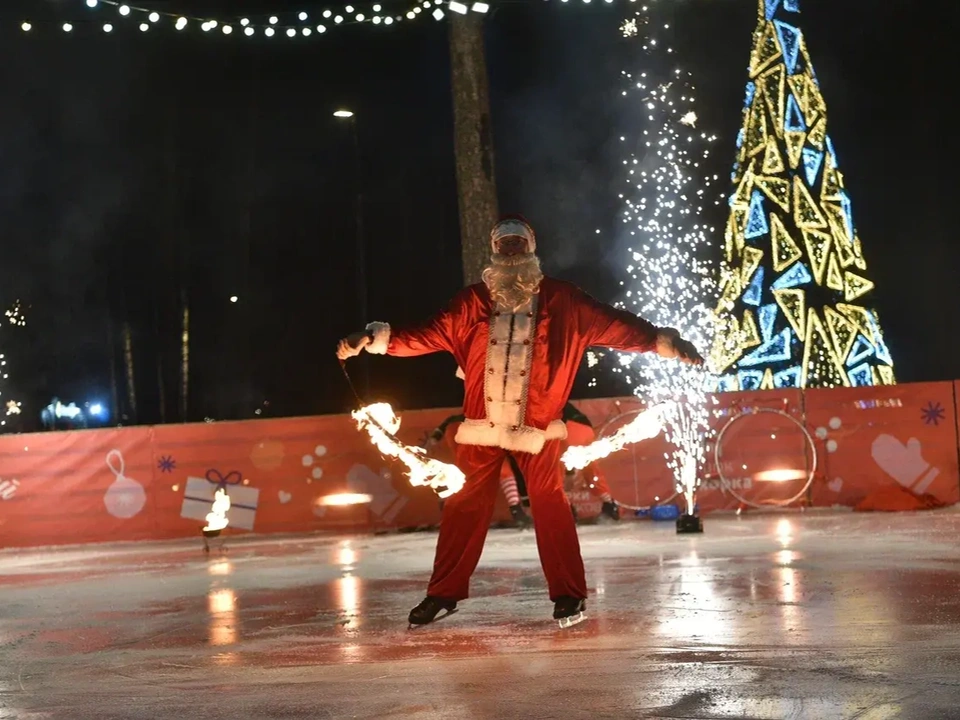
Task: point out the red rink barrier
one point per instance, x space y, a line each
822 447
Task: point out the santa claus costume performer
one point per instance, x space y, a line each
519 337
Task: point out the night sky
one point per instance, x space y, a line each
135 168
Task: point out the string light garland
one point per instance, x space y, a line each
791 311
671 276
113 15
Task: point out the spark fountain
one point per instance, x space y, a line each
671 275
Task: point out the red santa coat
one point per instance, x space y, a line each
518 367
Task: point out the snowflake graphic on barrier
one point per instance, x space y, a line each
932 413
167 464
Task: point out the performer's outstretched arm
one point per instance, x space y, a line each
436 335
606 326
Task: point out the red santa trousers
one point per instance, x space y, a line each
467 514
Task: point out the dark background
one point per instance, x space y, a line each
134 167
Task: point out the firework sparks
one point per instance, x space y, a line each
670 278
381 424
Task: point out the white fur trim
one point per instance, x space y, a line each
522 439
381 338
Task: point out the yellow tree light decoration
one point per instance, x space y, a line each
793 308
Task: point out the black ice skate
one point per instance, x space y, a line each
520 518
610 511
569 611
426 612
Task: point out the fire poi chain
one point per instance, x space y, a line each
381 424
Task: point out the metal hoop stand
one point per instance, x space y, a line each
717 456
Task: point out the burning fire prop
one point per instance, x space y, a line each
217 517
646 425
381 424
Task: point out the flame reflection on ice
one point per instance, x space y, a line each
348 589
222 605
691 609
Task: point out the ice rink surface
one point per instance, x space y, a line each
776 616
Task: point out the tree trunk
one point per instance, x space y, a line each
473 143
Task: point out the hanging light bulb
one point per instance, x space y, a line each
359 17
181 23
388 21
327 13
227 29
438 14
144 27
92 3
154 17
26 27
338 19
248 31
307 32
269 32
67 27
302 16
291 32
124 10
244 22
274 20
321 28
108 28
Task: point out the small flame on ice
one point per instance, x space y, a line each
644 426
217 517
381 424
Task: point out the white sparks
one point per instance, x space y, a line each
629 27
669 271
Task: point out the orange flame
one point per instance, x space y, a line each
217 517
343 499
381 424
644 426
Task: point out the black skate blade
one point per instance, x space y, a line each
438 618
569 622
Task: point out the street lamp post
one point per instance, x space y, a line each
360 241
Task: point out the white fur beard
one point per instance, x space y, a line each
512 279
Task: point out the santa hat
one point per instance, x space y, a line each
514 225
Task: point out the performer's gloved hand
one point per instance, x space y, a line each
671 345
352 344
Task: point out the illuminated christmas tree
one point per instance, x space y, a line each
794 294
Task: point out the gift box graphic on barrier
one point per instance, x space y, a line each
199 493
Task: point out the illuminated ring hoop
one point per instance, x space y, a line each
600 433
775 503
